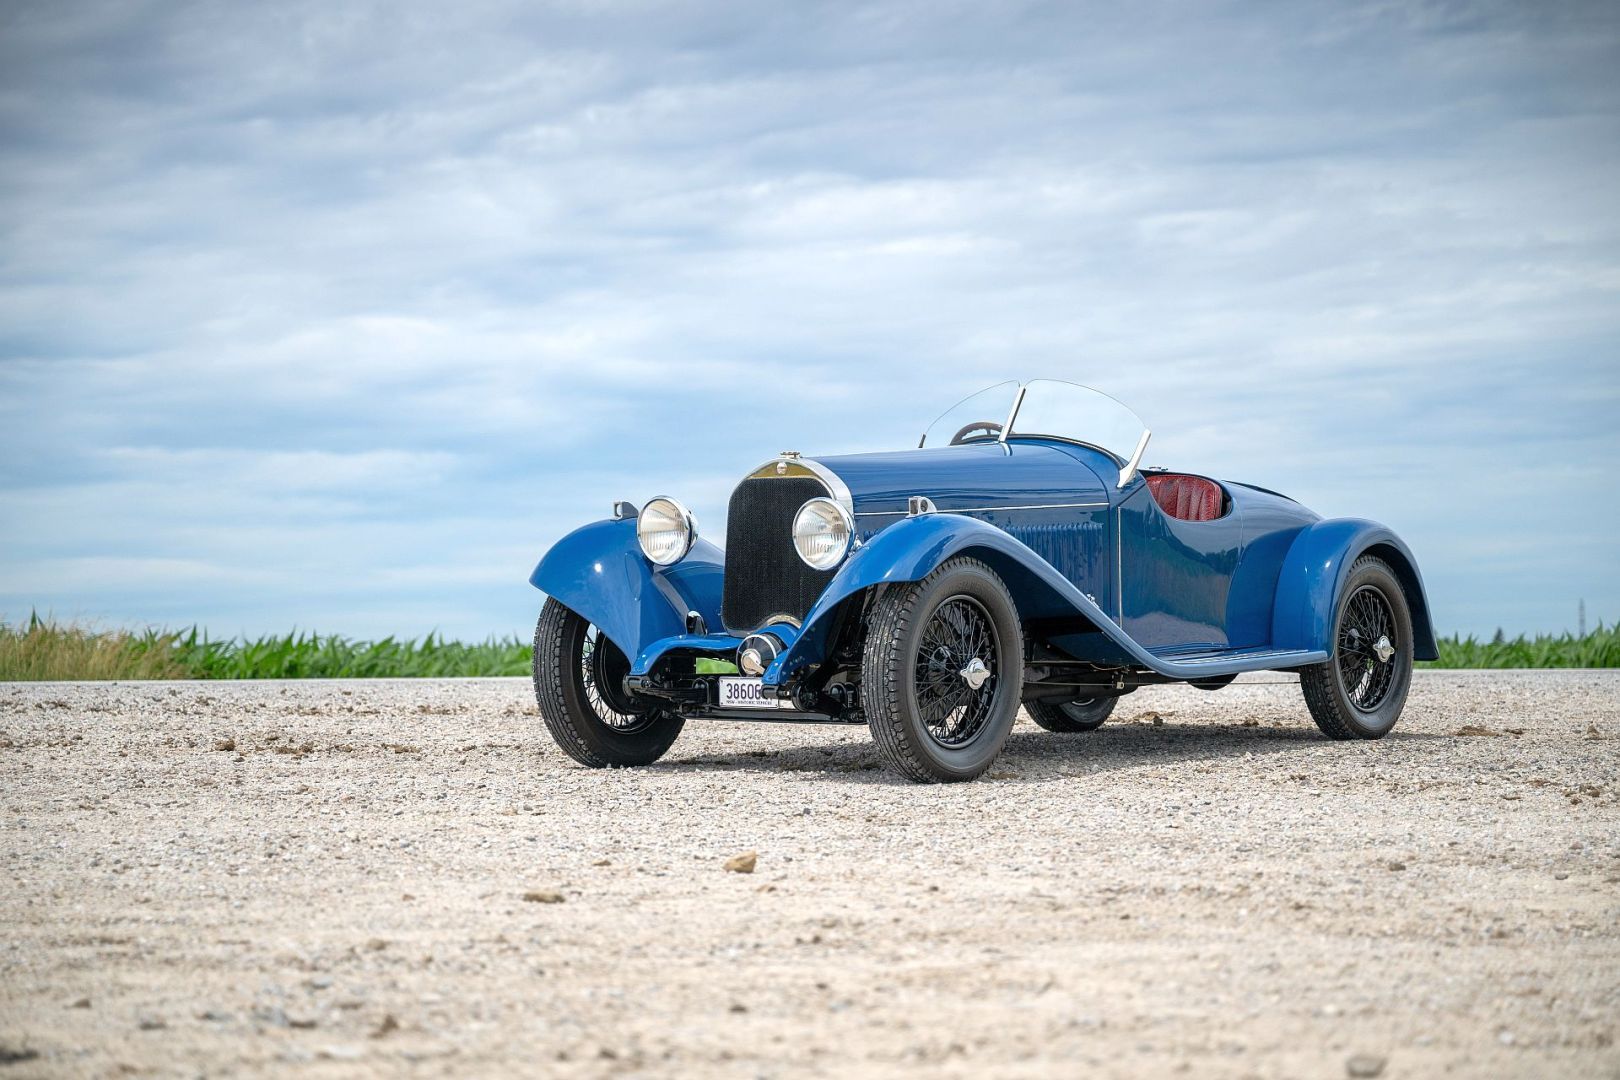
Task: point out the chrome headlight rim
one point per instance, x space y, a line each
685 530
840 518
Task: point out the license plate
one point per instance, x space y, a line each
748 694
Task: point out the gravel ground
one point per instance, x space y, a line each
353 877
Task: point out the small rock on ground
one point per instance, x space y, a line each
1365 1066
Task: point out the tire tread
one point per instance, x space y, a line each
553 635
1319 682
1050 715
883 658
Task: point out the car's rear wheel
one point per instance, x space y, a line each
1360 691
1086 714
579 683
942 671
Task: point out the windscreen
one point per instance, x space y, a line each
1065 410
976 418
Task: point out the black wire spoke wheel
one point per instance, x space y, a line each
602 668
942 670
1360 691
952 708
1071 717
579 683
1366 636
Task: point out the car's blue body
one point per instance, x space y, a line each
1103 576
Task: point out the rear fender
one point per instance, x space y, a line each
598 572
1313 576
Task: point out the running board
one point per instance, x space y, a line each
1232 662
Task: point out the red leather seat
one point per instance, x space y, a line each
1186 498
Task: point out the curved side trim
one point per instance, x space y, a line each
910 550
991 509
598 571
1313 575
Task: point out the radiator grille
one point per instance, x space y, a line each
764 575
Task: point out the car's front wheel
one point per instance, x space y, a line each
1086 714
942 671
1360 691
579 683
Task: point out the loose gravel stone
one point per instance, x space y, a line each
1203 888
1365 1066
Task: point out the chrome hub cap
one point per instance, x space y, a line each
975 673
1384 649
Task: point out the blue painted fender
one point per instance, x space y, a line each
912 548
1313 574
599 572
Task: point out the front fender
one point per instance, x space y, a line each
1313 575
599 572
911 549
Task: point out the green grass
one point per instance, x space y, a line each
1598 649
44 649
48 650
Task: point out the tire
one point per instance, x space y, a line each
578 677
938 728
1357 694
1067 717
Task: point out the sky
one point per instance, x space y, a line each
336 316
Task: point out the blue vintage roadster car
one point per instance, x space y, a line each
1020 555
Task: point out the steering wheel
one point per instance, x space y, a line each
990 428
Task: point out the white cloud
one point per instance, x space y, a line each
380 295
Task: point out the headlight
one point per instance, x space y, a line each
666 530
822 530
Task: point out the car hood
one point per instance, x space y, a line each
978 476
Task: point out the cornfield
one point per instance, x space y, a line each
44 649
1598 649
47 650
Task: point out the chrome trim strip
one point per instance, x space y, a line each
1119 563
1018 401
834 482
989 509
